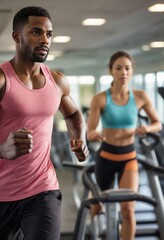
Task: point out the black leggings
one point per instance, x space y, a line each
34 218
106 167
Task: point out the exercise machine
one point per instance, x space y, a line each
153 171
110 199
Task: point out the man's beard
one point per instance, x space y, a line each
33 56
39 58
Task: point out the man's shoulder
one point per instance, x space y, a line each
57 76
60 80
56 73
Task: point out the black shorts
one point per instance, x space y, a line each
111 160
34 218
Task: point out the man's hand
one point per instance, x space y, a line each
18 143
80 149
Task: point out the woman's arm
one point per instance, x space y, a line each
155 123
96 107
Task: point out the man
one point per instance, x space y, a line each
30 95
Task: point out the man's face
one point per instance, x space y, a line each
35 39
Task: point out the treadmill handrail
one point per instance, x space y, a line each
147 164
73 165
112 195
154 135
88 180
119 195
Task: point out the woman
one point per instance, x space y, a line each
118 109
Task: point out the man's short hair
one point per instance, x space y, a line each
21 17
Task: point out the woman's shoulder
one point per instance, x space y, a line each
99 100
99 96
141 97
139 93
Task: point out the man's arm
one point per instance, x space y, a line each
74 119
2 85
77 132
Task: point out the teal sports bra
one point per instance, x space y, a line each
116 116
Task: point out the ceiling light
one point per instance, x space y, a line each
61 39
156 8
145 48
94 21
157 44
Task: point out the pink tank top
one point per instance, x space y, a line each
34 109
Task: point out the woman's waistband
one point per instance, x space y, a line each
117 149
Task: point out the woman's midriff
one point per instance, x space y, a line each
119 137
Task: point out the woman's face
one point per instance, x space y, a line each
122 71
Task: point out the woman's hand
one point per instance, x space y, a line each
142 130
95 136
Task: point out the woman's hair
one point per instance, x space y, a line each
117 55
21 17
